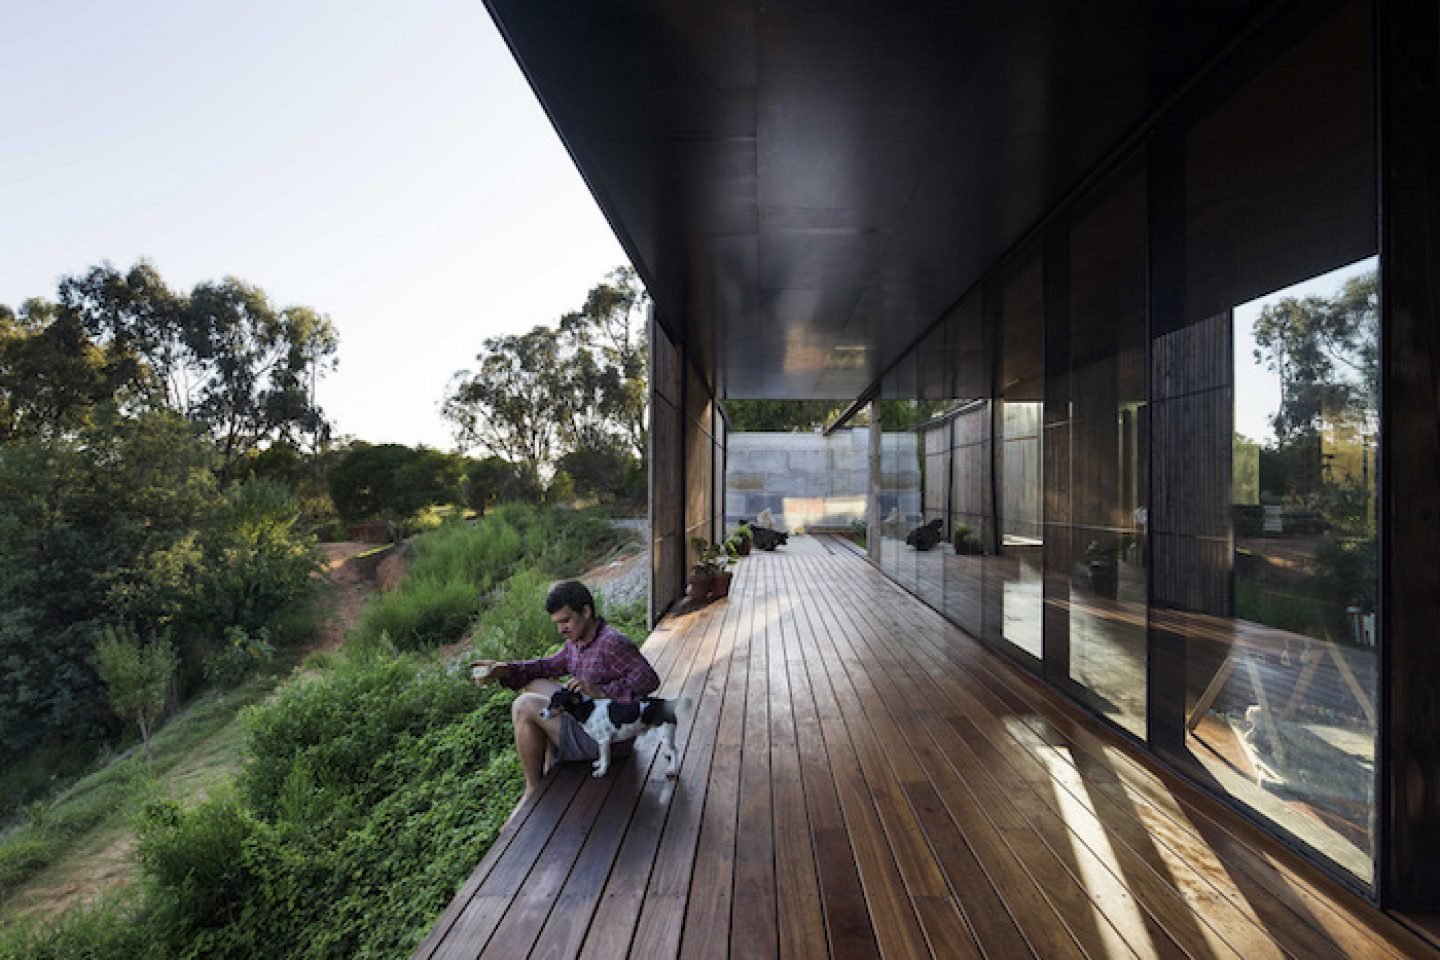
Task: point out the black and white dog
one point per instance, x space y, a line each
609 721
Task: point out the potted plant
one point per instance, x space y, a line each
965 541
709 580
739 541
1103 563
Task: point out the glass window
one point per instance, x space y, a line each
1265 441
1104 481
1013 572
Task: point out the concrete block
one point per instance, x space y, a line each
736 480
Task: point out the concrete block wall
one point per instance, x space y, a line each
811 481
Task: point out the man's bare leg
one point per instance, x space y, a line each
534 738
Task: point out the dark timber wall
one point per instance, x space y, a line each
1409 34
687 467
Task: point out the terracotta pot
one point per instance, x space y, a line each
711 586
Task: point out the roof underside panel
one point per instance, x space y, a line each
806 187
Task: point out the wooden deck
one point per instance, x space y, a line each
861 779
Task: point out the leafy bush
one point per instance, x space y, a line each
257 558
454 568
370 796
515 625
196 859
243 655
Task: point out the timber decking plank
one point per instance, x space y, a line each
531 905
658 927
753 922
955 821
705 928
959 775
800 921
624 897
479 918
888 891
1273 923
1193 850
1147 875
848 923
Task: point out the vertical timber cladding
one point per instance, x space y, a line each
720 440
700 446
1410 470
667 542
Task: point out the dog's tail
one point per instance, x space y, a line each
666 711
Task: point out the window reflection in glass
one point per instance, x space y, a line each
1290 704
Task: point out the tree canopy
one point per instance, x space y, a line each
535 398
221 356
1326 353
135 422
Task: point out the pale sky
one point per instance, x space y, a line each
384 163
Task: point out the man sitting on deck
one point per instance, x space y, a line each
602 663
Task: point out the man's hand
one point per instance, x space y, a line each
483 670
579 686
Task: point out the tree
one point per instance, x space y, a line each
391 482
782 416
92 526
605 472
222 356
52 375
607 337
511 406
1326 352
493 480
581 386
136 676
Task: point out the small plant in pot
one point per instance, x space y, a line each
709 580
739 541
1102 561
965 541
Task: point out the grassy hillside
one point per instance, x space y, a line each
369 786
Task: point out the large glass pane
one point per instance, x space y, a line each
1265 442
1105 487
1013 574
969 468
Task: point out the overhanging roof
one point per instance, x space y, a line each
806 187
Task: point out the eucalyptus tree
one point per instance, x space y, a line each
513 403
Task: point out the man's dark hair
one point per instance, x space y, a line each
572 594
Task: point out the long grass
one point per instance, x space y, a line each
50 829
453 571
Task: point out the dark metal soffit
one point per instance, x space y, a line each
806 187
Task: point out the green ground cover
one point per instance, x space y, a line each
370 787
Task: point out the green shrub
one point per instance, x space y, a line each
421 614
196 859
371 794
514 625
342 730
243 655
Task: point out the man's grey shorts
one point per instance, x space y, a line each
575 744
